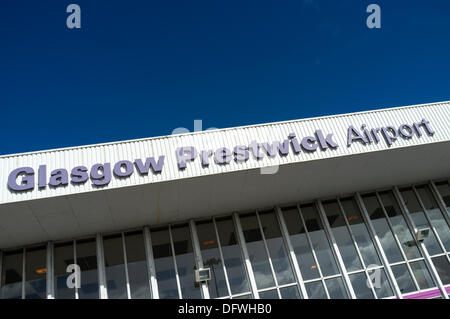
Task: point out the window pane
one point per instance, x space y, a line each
435 215
443 268
290 293
418 217
35 273
11 287
277 251
137 266
404 280
165 270
342 236
399 225
360 232
382 229
315 290
271 294
300 244
360 286
243 297
336 288
422 275
211 258
185 262
444 190
87 260
114 267
234 263
257 251
319 240
383 287
63 257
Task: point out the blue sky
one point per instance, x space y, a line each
143 68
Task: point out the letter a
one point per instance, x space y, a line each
373 20
73 20
74 279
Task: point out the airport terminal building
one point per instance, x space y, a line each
346 206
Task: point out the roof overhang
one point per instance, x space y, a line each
75 215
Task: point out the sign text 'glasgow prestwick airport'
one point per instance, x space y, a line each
23 178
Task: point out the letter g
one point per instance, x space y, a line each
27 180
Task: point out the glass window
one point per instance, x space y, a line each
444 190
165 270
243 297
185 262
403 277
316 290
270 294
211 258
361 286
360 232
11 284
137 265
382 229
342 236
116 283
257 251
443 268
383 287
319 240
300 244
63 256
399 225
422 275
419 219
35 273
234 263
277 251
435 215
87 260
336 288
291 292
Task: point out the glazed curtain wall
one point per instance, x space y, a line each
359 246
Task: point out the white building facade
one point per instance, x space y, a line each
347 206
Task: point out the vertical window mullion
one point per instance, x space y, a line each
421 245
372 288
391 228
103 292
150 264
416 193
413 276
219 245
177 277
291 253
437 195
198 257
248 266
76 263
335 249
50 273
268 254
377 242
324 284
23 272
127 278
355 244
313 252
397 240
